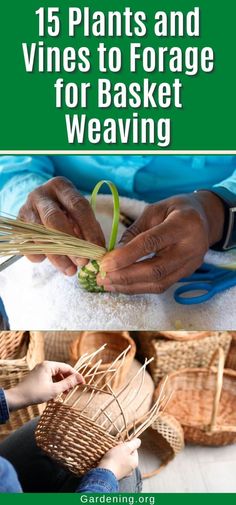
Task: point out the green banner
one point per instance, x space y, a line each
117 75
121 499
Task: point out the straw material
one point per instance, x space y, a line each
231 358
167 440
203 401
116 343
170 355
20 238
77 439
25 351
57 344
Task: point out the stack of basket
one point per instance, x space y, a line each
203 391
19 353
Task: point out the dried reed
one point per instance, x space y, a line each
20 238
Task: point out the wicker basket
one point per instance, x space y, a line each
170 355
22 351
76 434
167 440
116 342
231 358
204 401
180 335
57 344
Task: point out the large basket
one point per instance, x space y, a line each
171 355
116 342
77 434
57 344
204 401
21 351
231 358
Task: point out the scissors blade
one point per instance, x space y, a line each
9 262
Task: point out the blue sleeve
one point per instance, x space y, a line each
229 183
98 480
9 482
19 175
4 410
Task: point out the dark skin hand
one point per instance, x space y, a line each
59 205
178 231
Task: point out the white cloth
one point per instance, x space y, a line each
36 296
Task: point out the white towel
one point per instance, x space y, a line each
36 296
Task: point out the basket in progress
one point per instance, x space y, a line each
57 344
22 352
203 401
170 355
116 342
69 433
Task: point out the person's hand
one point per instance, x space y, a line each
122 459
58 205
42 384
177 232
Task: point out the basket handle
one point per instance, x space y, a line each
116 209
219 384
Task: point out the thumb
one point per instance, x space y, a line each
68 383
133 445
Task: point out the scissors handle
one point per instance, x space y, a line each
192 288
210 289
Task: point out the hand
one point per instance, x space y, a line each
177 232
42 384
59 205
122 459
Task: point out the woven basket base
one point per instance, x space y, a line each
73 441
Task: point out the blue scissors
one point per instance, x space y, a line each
208 278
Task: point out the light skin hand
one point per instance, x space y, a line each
42 384
122 459
177 232
58 205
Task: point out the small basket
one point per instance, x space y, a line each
231 358
116 342
57 344
21 351
76 434
171 355
204 401
167 439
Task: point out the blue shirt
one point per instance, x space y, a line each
149 178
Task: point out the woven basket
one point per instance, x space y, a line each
231 358
79 427
57 344
204 401
167 438
116 341
180 335
21 351
170 355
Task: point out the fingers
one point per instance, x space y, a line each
66 384
152 270
61 368
148 242
160 286
80 210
